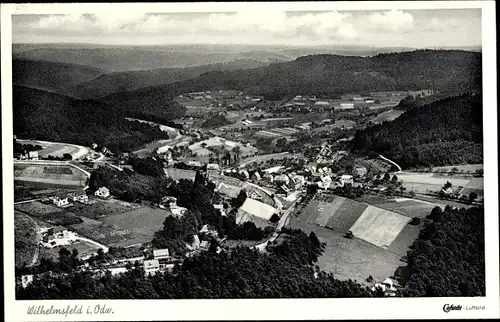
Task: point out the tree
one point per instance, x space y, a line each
472 196
240 199
394 179
435 213
387 177
447 185
274 218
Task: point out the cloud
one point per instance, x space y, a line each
251 23
393 20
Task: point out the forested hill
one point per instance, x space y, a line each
332 75
51 76
130 80
446 132
447 259
54 117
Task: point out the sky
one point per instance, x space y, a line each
388 28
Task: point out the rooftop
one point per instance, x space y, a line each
258 209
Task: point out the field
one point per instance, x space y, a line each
377 165
25 238
107 234
53 174
379 226
387 116
83 248
382 233
277 133
198 147
58 149
349 258
337 125
409 207
100 209
424 182
467 168
48 213
25 190
144 221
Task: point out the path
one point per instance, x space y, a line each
391 162
38 237
84 239
26 201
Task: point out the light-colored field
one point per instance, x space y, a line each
410 207
227 144
52 174
387 116
379 226
144 220
424 182
349 258
100 209
461 168
109 235
58 149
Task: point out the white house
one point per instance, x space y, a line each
33 155
151 267
346 179
60 201
79 196
57 236
387 287
161 253
345 106
102 192
213 166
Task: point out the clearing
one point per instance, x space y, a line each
52 174
144 220
386 116
431 182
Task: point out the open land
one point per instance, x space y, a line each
52 174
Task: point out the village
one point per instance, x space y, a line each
276 183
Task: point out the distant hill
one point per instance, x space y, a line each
54 117
50 76
116 59
332 75
446 132
125 81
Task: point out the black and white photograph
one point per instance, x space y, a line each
250 152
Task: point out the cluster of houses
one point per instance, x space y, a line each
27 155
67 200
57 236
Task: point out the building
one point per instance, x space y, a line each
33 155
79 196
102 192
220 207
346 179
213 166
256 176
245 174
281 179
388 286
60 200
57 236
177 211
161 254
345 106
360 171
151 267
255 211
94 146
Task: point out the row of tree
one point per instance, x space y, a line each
285 272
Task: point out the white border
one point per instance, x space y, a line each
296 309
